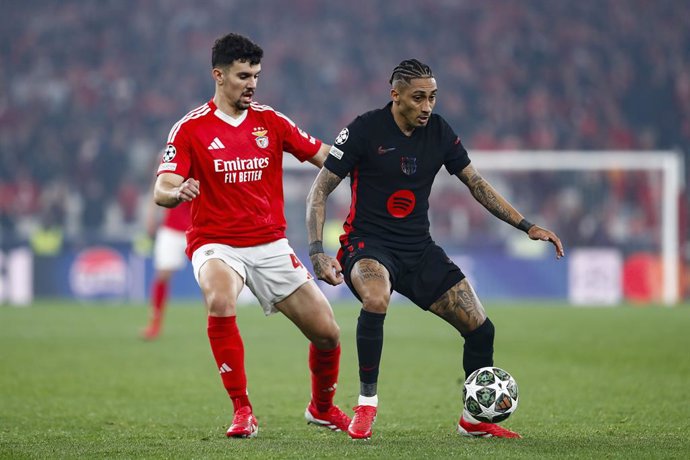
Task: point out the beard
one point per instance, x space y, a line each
241 105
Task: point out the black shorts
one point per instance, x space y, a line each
420 273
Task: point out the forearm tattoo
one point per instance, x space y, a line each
325 183
488 197
460 307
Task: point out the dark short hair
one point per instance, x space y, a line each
410 69
235 47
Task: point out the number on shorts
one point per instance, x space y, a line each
295 261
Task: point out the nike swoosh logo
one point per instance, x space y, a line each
383 151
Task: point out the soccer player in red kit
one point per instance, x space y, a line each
225 157
168 257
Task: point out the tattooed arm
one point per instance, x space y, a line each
488 197
325 267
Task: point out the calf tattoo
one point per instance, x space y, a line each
460 307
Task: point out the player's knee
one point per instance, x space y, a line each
328 338
220 304
375 303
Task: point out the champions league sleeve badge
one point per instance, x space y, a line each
342 136
169 153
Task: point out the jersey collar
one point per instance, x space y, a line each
235 122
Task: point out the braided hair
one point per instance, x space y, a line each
408 70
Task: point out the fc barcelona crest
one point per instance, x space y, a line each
260 137
408 165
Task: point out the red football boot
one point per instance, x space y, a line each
484 430
244 424
360 427
333 419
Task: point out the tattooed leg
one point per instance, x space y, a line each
372 282
460 307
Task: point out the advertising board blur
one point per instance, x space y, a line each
588 276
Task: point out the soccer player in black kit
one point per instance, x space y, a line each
392 155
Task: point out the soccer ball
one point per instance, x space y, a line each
490 394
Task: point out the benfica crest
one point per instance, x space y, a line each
260 137
408 165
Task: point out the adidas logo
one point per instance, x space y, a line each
330 389
216 144
224 368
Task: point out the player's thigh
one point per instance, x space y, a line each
220 285
460 307
310 311
371 280
274 273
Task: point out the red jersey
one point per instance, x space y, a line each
239 165
178 218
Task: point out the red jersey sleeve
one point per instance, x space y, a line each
177 154
297 142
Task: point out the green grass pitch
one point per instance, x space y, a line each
76 382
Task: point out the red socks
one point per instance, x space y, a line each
228 350
324 366
159 295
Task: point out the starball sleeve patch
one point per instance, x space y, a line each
342 136
170 152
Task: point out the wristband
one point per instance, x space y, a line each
315 248
525 225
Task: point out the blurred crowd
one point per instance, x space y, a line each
89 89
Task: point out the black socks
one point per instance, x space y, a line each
479 348
369 347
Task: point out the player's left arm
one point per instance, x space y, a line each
487 196
326 268
320 157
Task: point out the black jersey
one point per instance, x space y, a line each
391 174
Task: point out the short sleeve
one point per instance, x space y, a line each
347 149
176 156
455 157
296 141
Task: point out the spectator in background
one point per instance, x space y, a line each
75 93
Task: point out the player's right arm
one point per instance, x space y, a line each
172 189
320 158
326 268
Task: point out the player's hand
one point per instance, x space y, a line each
538 233
188 190
327 269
